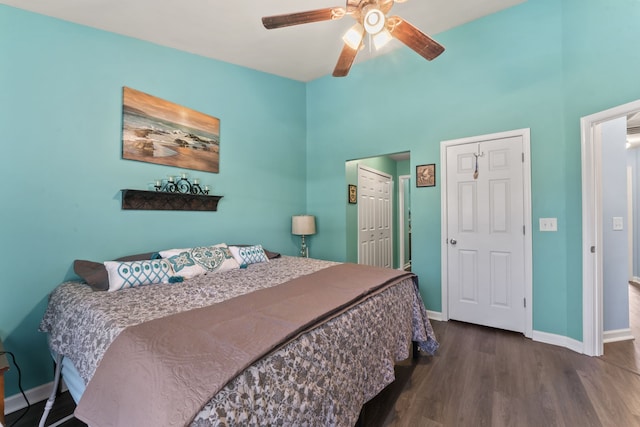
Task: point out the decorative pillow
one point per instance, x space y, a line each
270 255
183 263
95 274
246 255
123 275
201 260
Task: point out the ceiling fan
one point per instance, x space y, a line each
370 16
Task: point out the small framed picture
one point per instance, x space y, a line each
353 194
426 175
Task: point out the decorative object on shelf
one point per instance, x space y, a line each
182 185
165 201
164 133
353 194
426 175
303 225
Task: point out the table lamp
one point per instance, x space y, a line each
303 225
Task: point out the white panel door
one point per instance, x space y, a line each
375 218
485 206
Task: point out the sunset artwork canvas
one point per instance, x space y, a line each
161 132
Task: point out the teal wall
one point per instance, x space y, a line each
60 121
540 65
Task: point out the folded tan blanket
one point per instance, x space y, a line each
161 372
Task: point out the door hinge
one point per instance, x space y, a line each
524 230
593 249
525 303
522 157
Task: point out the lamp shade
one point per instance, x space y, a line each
303 225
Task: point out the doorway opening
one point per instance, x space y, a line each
394 165
599 223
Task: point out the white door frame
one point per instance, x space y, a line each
401 224
528 264
592 262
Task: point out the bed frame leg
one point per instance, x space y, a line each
52 397
416 350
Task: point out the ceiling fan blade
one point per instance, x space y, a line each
286 20
414 38
345 61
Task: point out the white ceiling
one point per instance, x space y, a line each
232 31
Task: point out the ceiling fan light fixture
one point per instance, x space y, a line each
381 39
353 36
371 18
374 20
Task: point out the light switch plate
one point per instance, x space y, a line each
618 223
548 224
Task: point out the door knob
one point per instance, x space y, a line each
453 241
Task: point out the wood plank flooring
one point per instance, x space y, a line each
626 354
488 377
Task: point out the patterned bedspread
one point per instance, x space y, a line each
291 385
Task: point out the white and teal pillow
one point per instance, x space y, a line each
123 275
193 262
246 255
182 262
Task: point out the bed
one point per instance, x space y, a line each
318 373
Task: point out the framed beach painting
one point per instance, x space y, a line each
161 132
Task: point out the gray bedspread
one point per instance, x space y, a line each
289 386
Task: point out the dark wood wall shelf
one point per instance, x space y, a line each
162 201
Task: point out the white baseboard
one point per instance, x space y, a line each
543 337
617 335
16 402
558 340
434 315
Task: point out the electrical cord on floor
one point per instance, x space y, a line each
13 359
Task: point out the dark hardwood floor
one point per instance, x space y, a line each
626 354
488 377
64 406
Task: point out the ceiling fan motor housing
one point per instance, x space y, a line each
373 20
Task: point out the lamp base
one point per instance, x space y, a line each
304 250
